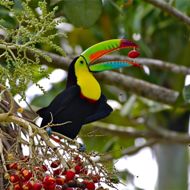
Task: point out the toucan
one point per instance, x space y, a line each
82 101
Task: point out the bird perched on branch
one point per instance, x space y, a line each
82 101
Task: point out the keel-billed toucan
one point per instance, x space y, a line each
82 101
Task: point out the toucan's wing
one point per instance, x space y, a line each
60 102
102 111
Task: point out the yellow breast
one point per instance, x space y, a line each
89 86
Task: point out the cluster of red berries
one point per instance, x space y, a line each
52 177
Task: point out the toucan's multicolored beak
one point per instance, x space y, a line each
98 50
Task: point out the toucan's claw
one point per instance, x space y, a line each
49 131
82 147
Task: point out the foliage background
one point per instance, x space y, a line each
31 47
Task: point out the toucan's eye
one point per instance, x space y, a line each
81 62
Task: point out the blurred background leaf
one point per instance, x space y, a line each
82 13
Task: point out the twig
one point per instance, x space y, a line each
9 97
170 10
156 133
129 151
2 156
135 149
64 137
51 124
30 134
121 131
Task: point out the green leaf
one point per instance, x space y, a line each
186 93
82 13
183 5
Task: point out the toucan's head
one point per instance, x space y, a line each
87 61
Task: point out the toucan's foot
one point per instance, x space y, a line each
82 147
49 131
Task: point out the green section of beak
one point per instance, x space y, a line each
104 66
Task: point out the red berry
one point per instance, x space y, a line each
14 178
57 171
60 180
89 185
17 187
55 139
95 178
27 185
26 174
78 169
133 54
64 172
55 164
44 167
13 166
70 174
48 180
50 186
37 186
77 159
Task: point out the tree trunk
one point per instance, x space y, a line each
172 162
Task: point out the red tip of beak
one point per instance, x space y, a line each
126 43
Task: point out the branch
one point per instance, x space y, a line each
139 87
170 136
170 10
63 63
164 65
155 133
121 131
9 98
129 151
152 63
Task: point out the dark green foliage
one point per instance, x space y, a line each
82 13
